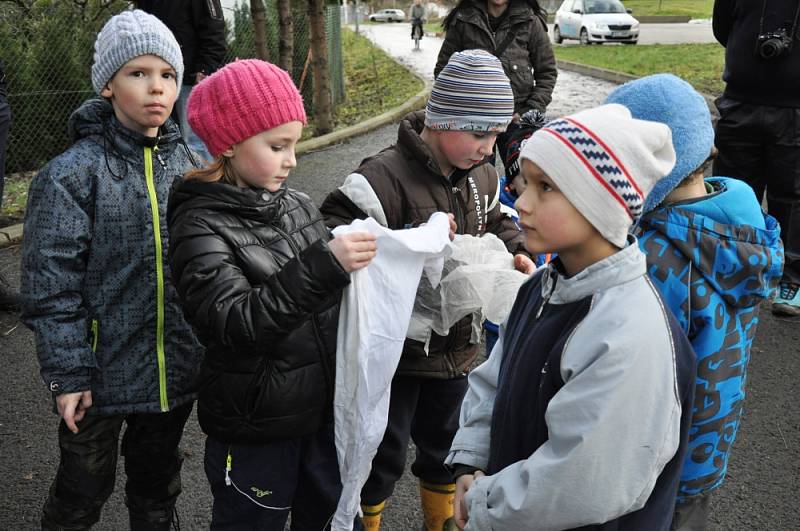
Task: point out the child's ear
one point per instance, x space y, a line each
228 153
107 92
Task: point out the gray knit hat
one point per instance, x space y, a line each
129 35
471 93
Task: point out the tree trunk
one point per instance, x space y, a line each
285 35
259 15
323 115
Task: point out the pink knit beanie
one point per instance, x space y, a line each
240 100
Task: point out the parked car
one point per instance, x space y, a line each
595 21
388 15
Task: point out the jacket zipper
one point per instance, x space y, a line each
162 364
458 212
554 277
314 319
95 333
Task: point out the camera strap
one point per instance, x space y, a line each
764 12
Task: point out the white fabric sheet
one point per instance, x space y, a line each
375 313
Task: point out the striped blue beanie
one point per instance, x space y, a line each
672 101
471 93
128 35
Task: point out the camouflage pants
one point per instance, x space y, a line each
87 470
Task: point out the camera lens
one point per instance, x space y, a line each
770 48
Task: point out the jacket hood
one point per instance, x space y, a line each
726 237
95 117
251 203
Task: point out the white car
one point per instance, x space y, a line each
595 21
388 15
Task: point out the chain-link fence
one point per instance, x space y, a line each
47 47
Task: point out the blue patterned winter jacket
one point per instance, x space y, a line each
96 284
715 260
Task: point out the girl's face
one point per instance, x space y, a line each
498 5
264 160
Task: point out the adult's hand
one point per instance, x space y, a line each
72 407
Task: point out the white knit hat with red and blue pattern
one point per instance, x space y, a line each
605 162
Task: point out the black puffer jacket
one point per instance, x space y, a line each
527 59
262 288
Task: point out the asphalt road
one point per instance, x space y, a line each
759 494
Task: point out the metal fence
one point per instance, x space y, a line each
47 49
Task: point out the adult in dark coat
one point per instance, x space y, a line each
199 28
757 135
9 299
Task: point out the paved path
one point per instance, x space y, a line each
759 493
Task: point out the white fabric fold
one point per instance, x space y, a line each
373 321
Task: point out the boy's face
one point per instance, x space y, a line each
143 93
465 149
264 160
551 223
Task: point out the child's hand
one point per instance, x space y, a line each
453 226
72 407
354 250
524 264
463 484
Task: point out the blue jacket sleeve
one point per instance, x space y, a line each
57 237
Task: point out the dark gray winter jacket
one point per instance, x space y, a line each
97 290
527 58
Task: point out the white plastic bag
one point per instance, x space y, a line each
478 277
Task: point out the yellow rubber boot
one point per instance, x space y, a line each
437 504
372 516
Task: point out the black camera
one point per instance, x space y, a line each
774 43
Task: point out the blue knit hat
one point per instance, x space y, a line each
471 93
672 101
128 35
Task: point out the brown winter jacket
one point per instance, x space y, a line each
401 187
528 59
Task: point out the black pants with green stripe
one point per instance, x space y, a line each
87 469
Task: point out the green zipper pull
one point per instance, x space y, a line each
228 463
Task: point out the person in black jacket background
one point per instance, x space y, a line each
199 28
758 133
262 284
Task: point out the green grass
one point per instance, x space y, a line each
691 8
699 64
374 82
433 27
15 195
